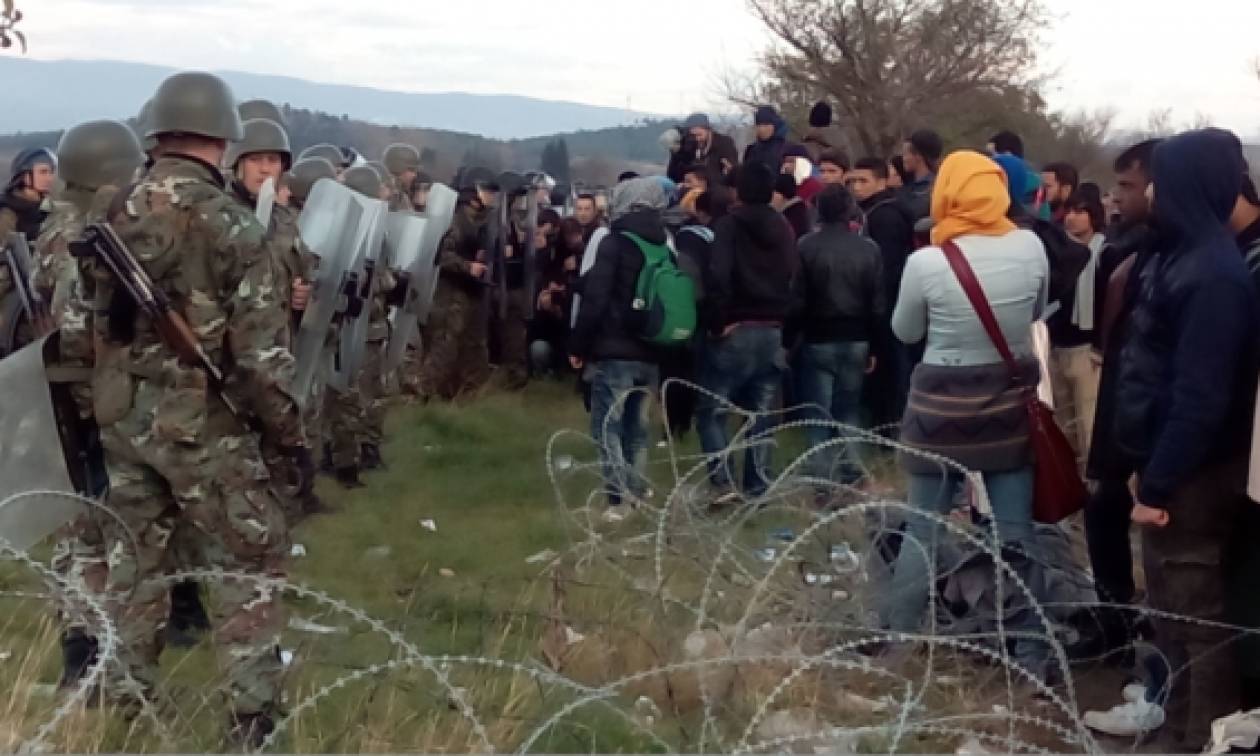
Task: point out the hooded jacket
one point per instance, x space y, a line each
820 139
1188 369
750 268
770 151
605 327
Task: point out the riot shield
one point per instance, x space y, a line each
329 225
32 455
369 244
266 202
413 241
12 316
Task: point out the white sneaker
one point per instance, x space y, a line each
1127 720
614 515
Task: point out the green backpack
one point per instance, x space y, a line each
664 296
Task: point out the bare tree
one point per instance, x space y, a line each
892 65
9 18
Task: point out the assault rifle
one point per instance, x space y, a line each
38 313
101 241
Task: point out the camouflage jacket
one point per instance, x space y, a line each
207 253
290 258
68 283
462 246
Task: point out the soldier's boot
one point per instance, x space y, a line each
188 620
312 504
370 456
249 731
78 654
348 477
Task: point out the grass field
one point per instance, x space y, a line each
455 615
464 588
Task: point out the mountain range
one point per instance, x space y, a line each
49 95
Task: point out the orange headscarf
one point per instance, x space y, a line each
970 197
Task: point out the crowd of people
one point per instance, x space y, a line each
789 276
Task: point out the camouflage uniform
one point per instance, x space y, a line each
67 284
177 457
27 221
456 358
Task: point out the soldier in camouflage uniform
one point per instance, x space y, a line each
177 455
456 358
403 163
302 178
264 154
371 379
23 207
96 160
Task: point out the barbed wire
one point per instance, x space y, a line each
749 647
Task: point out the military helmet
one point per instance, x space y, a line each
147 143
475 177
363 179
26 160
399 158
261 135
99 153
381 170
305 172
329 152
194 102
251 109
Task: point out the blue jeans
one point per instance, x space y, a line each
1010 494
831 375
619 402
745 370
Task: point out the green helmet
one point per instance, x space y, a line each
330 152
261 135
381 171
194 102
304 174
99 153
363 179
147 143
251 109
399 158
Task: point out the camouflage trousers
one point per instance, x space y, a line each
512 335
373 389
189 485
79 558
345 417
456 358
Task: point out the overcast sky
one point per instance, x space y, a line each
662 56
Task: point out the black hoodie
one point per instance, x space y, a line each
27 216
750 268
605 328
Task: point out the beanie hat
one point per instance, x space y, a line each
820 115
766 116
697 121
785 184
755 185
795 151
1016 176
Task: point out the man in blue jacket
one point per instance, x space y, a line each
1184 411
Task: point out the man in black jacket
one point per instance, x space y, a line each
701 145
747 298
838 306
889 223
1107 513
1184 413
606 342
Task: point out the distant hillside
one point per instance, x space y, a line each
43 95
597 155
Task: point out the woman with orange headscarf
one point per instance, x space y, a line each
963 405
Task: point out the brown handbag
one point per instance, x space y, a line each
1058 491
